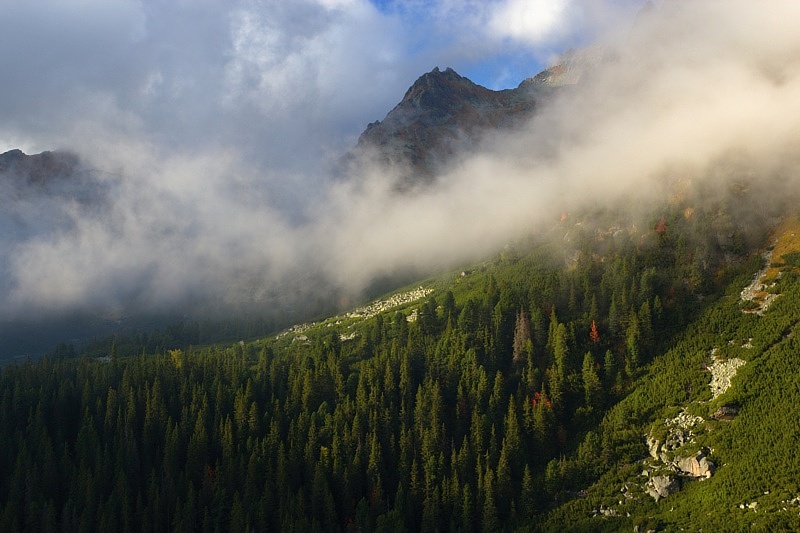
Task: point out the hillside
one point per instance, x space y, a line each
516 393
708 430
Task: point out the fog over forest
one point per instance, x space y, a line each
210 152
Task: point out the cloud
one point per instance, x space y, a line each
211 146
530 21
291 81
697 90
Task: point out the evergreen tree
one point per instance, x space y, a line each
522 337
633 343
591 382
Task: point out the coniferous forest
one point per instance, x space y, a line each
515 396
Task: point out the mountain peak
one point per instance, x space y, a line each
440 114
435 88
38 168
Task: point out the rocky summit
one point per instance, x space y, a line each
442 114
38 169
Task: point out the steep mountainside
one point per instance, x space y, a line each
620 369
705 440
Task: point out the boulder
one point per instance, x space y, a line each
697 466
653 446
662 486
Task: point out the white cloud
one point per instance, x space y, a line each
531 21
208 126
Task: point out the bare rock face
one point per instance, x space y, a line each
679 432
662 486
653 446
444 114
665 457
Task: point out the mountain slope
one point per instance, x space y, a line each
745 423
479 401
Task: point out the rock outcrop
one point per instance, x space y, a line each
660 487
755 294
697 466
679 432
665 455
722 371
361 313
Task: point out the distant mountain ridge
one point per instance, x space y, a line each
38 169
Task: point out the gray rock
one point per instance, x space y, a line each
662 486
653 446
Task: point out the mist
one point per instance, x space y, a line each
220 200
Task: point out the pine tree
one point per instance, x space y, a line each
610 368
490 522
512 441
646 326
561 364
505 488
633 340
468 518
527 495
591 382
522 337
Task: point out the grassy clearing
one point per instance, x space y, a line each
787 243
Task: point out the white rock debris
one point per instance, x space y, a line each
679 432
396 300
722 371
751 292
364 312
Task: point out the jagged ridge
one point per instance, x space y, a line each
441 114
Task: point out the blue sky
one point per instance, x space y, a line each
494 43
